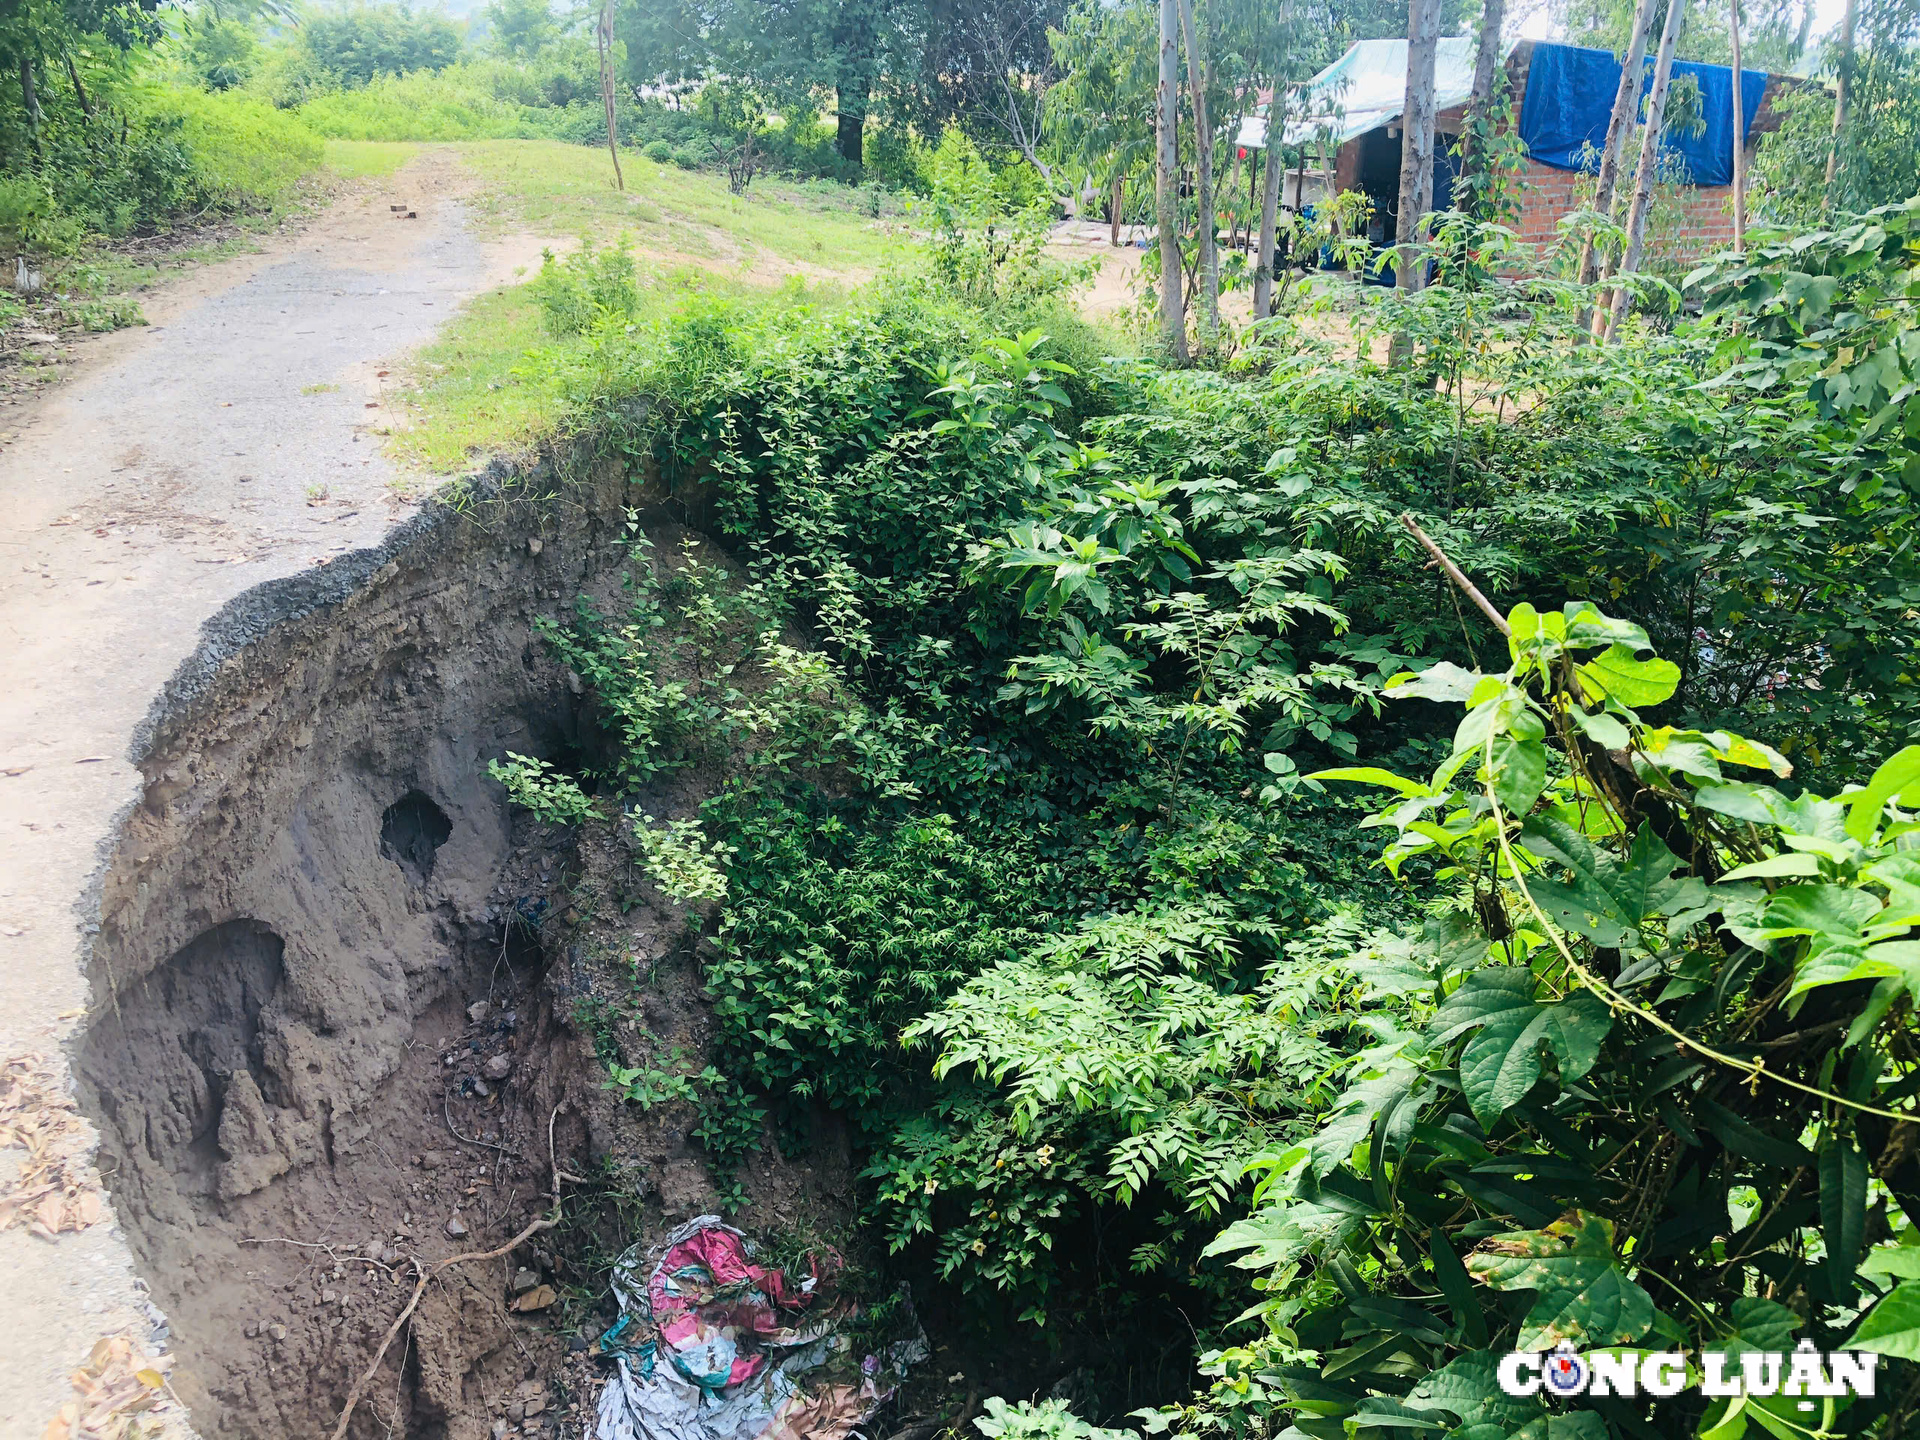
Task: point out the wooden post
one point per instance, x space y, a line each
1166 185
1118 203
1199 72
1842 94
1739 137
1416 135
1626 104
604 34
1649 164
1269 210
1486 60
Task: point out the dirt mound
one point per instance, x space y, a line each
335 987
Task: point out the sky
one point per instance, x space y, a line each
1533 19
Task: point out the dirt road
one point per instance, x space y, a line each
227 444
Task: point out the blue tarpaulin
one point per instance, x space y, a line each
1570 90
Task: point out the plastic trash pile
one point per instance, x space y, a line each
710 1346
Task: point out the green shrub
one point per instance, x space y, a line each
537 785
242 154
590 283
460 103
358 42
658 151
1048 1420
689 157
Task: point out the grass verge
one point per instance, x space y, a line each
492 383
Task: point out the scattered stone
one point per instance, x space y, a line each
480 1089
499 1067
524 1280
479 1011
456 1229
430 1160
277 1332
534 546
327 1297
533 1406
388 1255
499 1429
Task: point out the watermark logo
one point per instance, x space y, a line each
1804 1374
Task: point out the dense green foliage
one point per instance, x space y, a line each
1041 860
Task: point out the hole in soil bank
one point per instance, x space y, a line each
412 832
311 1068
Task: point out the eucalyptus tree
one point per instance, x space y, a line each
1101 110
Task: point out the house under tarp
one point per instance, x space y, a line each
1563 98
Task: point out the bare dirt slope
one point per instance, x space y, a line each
226 445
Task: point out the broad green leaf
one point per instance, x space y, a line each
1751 1142
1579 1425
1777 867
1763 805
1457 1286
1830 914
1739 750
1760 1324
1901 875
1900 1261
1373 775
1523 625
1395 1095
1588 629
1900 771
1893 1326
1843 1210
1502 1062
1518 770
1617 674
1445 682
1469 1387
1496 990
1377 1412
1606 902
1581 1293
1603 729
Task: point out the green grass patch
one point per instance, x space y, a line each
469 402
368 159
559 189
481 388
454 104
246 155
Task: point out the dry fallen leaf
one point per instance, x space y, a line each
539 1298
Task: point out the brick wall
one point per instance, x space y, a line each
1548 194
1707 224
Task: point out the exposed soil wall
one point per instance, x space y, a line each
333 986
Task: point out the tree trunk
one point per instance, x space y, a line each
1626 104
79 90
1649 163
1166 184
1486 62
30 97
1843 85
1739 136
1199 72
1416 140
1116 205
604 34
1269 217
850 103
